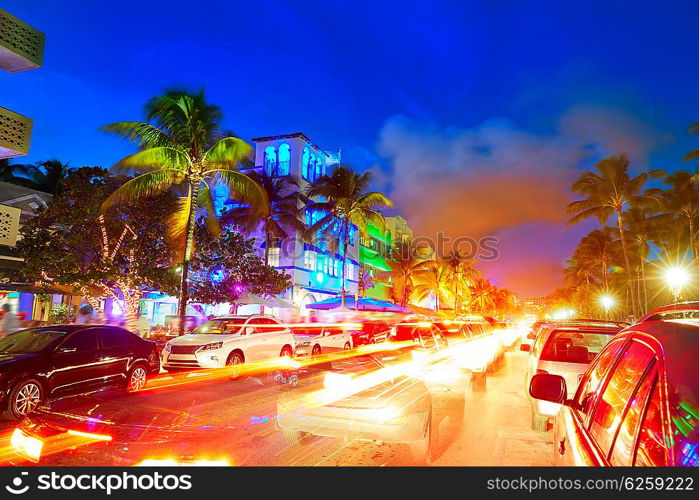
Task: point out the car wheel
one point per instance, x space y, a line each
421 450
347 346
296 437
287 352
478 381
234 364
540 423
25 397
316 350
136 379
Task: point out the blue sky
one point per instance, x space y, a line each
558 84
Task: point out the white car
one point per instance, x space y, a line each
316 339
564 349
229 340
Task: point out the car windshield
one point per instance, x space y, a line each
575 346
221 326
32 340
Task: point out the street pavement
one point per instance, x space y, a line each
234 421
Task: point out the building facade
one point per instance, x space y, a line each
315 267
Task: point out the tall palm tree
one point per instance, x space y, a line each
694 154
345 203
47 175
403 264
483 295
433 278
609 191
597 249
681 199
181 146
279 218
462 274
642 230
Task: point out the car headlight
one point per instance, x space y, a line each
209 347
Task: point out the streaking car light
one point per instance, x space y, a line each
387 415
420 357
171 462
337 381
26 445
90 435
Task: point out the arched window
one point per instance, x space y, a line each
270 160
305 162
284 164
319 168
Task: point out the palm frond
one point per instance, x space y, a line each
206 202
144 135
144 185
243 189
227 153
151 160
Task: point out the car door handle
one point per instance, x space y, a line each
562 446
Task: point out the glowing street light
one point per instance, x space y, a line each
607 302
676 278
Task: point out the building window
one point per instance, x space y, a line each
309 260
271 160
273 256
284 163
305 163
338 267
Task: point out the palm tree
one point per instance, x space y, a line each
643 230
346 204
462 274
609 190
403 265
47 175
483 295
598 250
181 146
681 199
278 219
694 154
14 173
433 278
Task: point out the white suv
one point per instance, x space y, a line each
229 340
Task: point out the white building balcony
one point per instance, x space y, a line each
15 134
21 46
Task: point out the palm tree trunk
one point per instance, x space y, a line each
188 245
404 296
692 244
627 262
645 287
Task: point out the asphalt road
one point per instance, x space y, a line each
234 421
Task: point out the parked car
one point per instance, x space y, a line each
321 339
564 349
531 335
371 332
637 403
229 341
39 364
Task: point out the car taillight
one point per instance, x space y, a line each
539 371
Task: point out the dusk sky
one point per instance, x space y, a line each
475 116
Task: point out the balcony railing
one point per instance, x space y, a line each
15 133
21 46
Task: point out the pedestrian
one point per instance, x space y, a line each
9 322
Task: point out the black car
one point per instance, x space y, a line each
47 362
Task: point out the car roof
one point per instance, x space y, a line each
656 314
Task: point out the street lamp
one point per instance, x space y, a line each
676 278
607 302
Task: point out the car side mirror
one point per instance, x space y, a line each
525 347
248 330
548 387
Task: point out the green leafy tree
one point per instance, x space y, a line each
346 203
181 146
227 265
119 253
